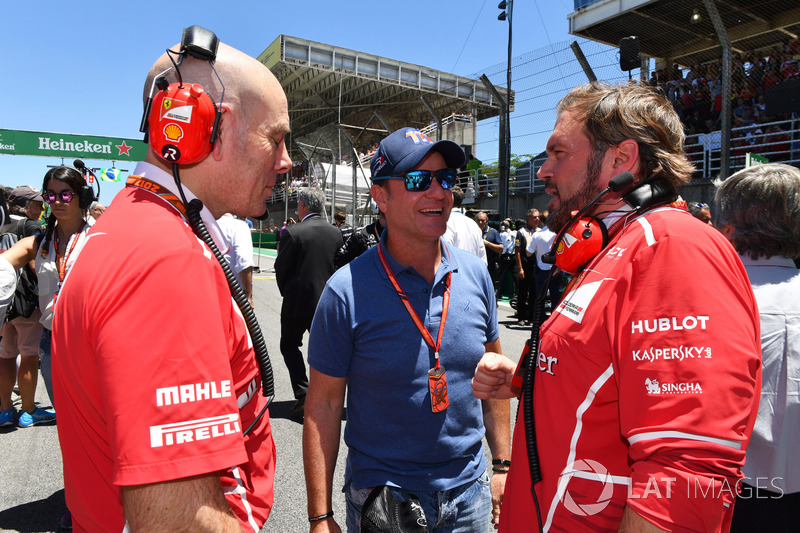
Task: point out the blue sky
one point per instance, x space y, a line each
79 66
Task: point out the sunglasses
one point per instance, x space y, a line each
420 180
65 196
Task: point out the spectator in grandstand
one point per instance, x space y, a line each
607 400
758 210
743 111
778 143
462 231
771 77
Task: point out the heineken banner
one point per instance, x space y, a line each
70 145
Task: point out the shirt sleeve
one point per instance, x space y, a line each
243 244
688 367
330 342
531 249
165 373
8 284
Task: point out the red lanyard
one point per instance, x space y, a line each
420 326
155 188
62 265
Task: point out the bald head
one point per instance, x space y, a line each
247 81
249 151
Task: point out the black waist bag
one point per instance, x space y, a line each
383 513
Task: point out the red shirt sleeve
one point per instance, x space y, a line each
167 388
688 373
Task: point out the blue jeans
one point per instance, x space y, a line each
44 363
464 509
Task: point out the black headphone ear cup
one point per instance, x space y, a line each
86 197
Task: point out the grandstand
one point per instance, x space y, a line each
343 102
340 111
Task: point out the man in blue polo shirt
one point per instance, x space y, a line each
400 330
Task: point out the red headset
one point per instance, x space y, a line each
181 121
582 238
580 243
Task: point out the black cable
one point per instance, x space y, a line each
527 392
193 210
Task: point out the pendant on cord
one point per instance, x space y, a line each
437 383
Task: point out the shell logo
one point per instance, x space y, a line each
173 132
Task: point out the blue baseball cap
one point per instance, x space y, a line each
404 149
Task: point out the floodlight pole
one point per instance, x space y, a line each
502 208
502 159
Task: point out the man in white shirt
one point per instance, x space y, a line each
540 244
462 231
240 251
526 268
758 210
96 209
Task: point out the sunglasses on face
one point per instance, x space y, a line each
65 196
420 180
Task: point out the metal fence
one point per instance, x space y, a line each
542 77
778 141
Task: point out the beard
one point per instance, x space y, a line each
560 215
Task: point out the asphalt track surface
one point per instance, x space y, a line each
31 486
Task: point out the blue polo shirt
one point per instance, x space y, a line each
362 331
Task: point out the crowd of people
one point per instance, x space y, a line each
696 92
696 95
654 389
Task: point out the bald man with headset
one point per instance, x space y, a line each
154 365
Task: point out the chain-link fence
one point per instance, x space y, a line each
542 77
539 80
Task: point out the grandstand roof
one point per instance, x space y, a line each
665 31
326 85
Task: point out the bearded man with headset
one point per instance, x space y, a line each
647 374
